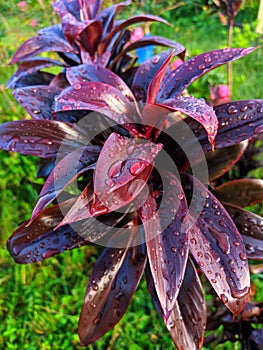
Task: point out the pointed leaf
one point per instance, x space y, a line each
96 73
217 247
63 7
65 172
31 66
36 78
41 138
98 97
250 226
93 7
37 100
145 73
166 241
242 192
90 37
187 321
155 83
198 110
48 40
150 40
111 286
221 160
180 78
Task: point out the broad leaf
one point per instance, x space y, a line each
90 37
217 247
36 78
65 172
96 73
111 286
41 138
48 40
198 110
31 66
242 192
221 160
37 100
167 241
250 226
145 73
187 321
180 78
63 7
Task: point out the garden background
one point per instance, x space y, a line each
40 303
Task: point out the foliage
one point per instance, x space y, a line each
66 99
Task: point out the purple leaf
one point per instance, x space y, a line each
59 81
90 37
96 73
221 160
41 138
106 16
145 74
123 24
242 192
250 226
237 121
166 241
156 81
198 110
37 100
37 78
187 321
65 172
111 286
48 40
45 166
180 78
97 97
150 40
63 7
217 247
31 66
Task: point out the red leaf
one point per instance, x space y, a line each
166 241
250 226
155 83
180 78
41 138
111 286
217 247
65 172
186 323
48 40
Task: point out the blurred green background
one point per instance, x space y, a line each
40 303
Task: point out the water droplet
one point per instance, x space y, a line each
201 67
95 286
232 110
243 256
193 241
207 59
176 233
12 143
155 59
180 196
130 149
36 111
224 298
258 130
77 86
236 244
42 245
116 168
66 108
49 253
137 168
173 249
109 183
239 293
200 255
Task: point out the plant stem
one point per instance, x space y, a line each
229 65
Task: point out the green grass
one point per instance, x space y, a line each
40 303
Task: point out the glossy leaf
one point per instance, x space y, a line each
145 73
222 160
150 40
48 40
156 81
166 241
31 66
237 121
96 73
63 7
242 192
36 78
65 172
217 247
198 110
41 138
97 97
111 286
90 37
187 321
180 78
37 100
250 226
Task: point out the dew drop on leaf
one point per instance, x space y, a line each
116 169
258 130
232 110
77 86
137 168
224 298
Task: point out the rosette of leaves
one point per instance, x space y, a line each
143 214
86 34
